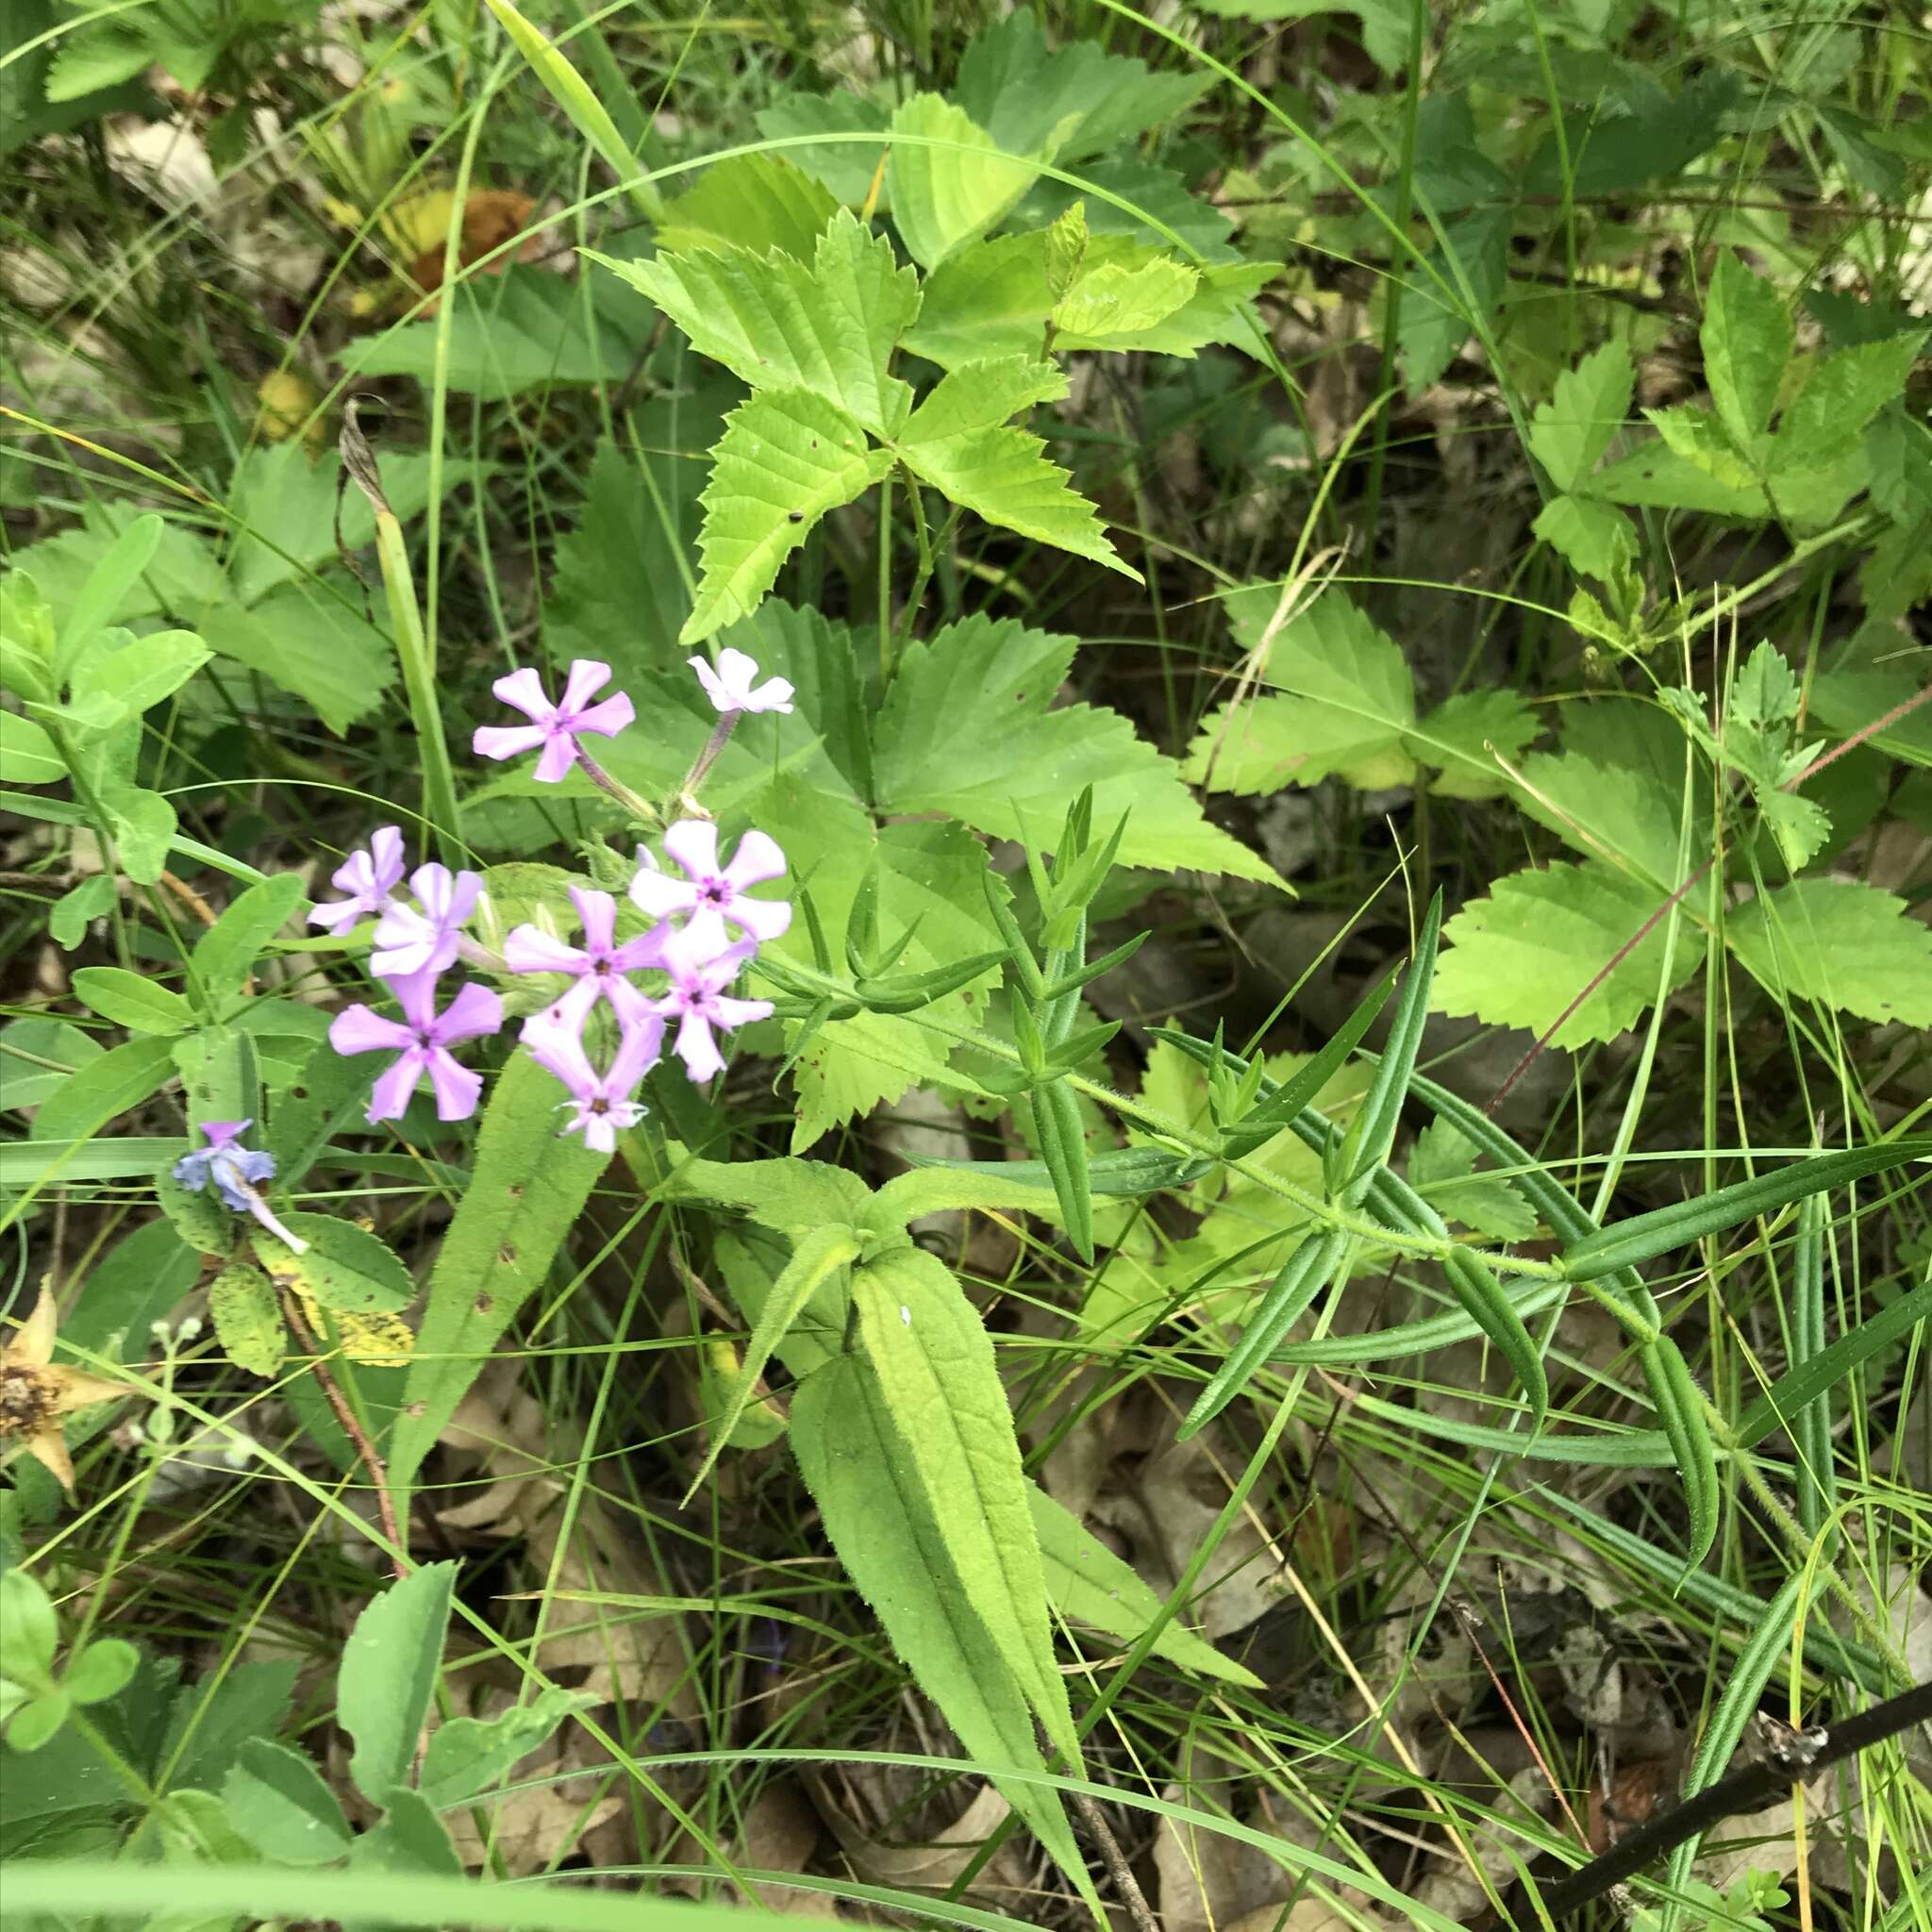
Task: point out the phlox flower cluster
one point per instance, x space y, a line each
704 925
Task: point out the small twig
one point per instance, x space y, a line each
1793 1756
190 898
1093 1820
359 1437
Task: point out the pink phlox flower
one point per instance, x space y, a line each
698 1000
603 1103
710 896
421 1041
730 687
422 938
368 879
600 968
553 727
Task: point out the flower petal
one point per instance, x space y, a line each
758 858
416 995
637 1049
694 843
359 1030
586 677
474 1011
33 1341
714 688
386 857
390 1097
530 949
765 919
775 694
597 915
522 690
608 719
505 740
559 755
338 917
697 1049
458 1090
735 1013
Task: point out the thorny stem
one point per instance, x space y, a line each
359 1437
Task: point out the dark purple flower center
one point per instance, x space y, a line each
715 892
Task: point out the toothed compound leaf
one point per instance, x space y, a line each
1746 338
787 457
1841 397
1519 956
1591 537
949 182
779 324
1463 736
1117 300
1840 942
528 1186
970 729
1569 434
756 202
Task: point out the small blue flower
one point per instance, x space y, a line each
235 1173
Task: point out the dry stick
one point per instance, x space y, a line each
358 1435
1891 718
1101 1832
1793 1756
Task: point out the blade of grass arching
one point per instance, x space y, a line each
588 114
1810 1429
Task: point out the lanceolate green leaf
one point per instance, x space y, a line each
880 1519
942 1387
526 1188
1569 434
1811 1428
388 1674
788 457
1747 338
1305 1272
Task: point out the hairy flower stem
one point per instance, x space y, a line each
687 805
642 811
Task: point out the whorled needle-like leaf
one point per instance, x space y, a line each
1063 1149
1302 1277
1673 1395
1372 1134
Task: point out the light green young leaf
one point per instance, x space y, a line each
1441 1168
881 1524
1840 942
224 955
756 202
951 192
967 730
1591 537
942 1387
278 1802
1841 394
1700 440
1569 434
957 442
1349 703
528 1186
817 1256
1654 476
467 1755
788 1196
101 1670
106 589
26 753
828 329
144 672
143 824
29 1630
787 458
132 1000
1543 937
387 1673
1088 1584
1747 337
1116 300
410 1839
1064 246
94 1094
1605 811
1463 735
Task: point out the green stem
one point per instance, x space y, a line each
418 660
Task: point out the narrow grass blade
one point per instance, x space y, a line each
1817 1480
817 1255
1371 1135
1675 1395
1302 1276
419 679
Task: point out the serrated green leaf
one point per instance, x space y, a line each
309 638
528 1186
1700 440
1604 810
247 1318
1116 300
756 202
957 440
787 458
881 1524
1655 476
967 730
140 674
1569 434
848 169
952 191
1441 309
1843 393
278 1802
1065 248
1462 737
1591 537
1347 701
942 1387
1441 1168
1747 337
1542 938
828 329
388 1674
132 1000
1842 943
1088 1584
